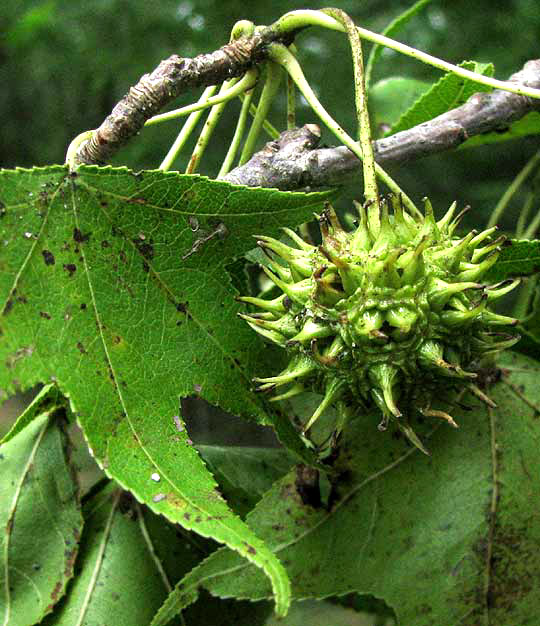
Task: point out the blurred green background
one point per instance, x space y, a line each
63 66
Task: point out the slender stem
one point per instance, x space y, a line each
186 131
238 134
207 131
236 88
269 128
295 20
533 227
524 215
371 192
270 88
513 188
291 97
525 297
280 54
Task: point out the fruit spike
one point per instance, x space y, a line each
391 317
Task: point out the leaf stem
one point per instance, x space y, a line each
270 88
295 20
208 130
279 53
238 134
186 131
236 87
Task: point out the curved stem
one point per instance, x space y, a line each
73 148
371 193
300 19
513 188
280 54
238 134
271 86
186 131
236 88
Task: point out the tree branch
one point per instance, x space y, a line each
293 161
172 77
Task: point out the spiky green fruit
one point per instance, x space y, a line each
389 315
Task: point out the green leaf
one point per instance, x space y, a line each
447 93
47 398
391 31
527 125
390 97
120 570
244 474
113 284
40 521
520 258
447 539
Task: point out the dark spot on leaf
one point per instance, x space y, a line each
182 307
8 307
80 348
117 339
145 248
71 268
122 256
145 267
187 516
48 257
56 591
45 315
83 306
105 244
79 237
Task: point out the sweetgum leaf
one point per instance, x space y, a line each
113 284
40 521
520 258
447 539
447 93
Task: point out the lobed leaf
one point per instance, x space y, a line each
40 520
113 284
447 539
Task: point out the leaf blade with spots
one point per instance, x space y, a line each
446 539
520 258
40 521
113 284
